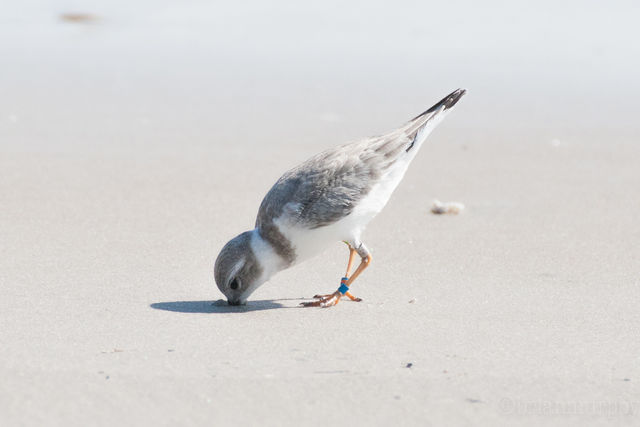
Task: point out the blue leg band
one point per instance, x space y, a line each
343 288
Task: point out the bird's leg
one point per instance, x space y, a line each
352 254
334 298
366 260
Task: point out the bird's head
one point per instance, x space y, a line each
237 270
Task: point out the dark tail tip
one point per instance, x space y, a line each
451 99
446 102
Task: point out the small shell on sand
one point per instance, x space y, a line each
439 208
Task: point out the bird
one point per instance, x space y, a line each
329 198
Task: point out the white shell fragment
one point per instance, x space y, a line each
440 208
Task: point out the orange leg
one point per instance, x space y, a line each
352 255
363 264
334 298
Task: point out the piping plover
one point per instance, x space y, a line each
329 198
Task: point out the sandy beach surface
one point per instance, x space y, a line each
135 144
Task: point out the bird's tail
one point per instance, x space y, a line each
418 128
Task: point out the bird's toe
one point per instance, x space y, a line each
323 300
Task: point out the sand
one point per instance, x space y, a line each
126 163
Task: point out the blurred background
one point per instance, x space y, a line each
102 74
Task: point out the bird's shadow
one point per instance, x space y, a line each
219 306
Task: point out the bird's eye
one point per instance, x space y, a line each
234 284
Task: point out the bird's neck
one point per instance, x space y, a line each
267 254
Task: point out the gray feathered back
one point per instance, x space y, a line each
328 186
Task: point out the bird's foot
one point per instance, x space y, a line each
332 299
324 300
348 294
